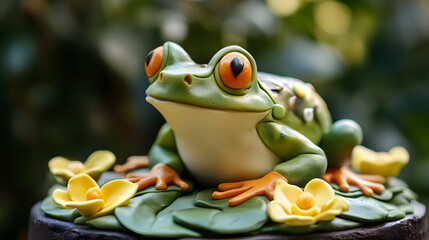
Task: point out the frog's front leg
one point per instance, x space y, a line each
166 165
303 161
338 145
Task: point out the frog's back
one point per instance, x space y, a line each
306 111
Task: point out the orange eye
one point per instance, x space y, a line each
154 61
235 70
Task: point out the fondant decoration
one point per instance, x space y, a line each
90 200
98 162
386 164
162 213
133 162
54 210
161 175
228 123
154 61
344 176
245 132
107 222
295 207
245 190
217 217
151 214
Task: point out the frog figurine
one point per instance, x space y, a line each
231 126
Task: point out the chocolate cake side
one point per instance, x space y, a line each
413 226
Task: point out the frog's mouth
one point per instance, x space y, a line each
175 112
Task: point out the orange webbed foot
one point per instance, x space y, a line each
160 175
245 190
132 163
344 177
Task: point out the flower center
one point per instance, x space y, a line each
305 201
94 193
76 167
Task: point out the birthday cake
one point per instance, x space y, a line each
242 154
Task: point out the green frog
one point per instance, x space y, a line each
228 125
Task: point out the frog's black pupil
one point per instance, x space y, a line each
149 57
237 66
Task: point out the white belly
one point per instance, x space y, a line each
218 145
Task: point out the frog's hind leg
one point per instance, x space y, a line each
338 144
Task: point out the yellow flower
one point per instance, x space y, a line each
92 201
385 164
295 207
97 163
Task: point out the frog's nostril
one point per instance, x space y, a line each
161 75
188 79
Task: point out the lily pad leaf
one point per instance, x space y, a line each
108 176
393 212
354 194
108 222
386 195
151 214
395 182
53 210
335 224
362 209
220 218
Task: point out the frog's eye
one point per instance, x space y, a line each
154 61
235 70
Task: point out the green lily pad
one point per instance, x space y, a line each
410 195
335 224
220 218
393 212
108 176
354 194
396 189
386 195
400 199
362 209
108 222
406 208
52 209
151 214
395 182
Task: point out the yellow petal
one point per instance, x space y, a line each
62 175
60 197
335 207
78 186
313 211
100 160
58 162
400 154
361 153
321 191
296 220
116 193
87 208
276 212
291 192
280 197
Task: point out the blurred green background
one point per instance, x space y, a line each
72 75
